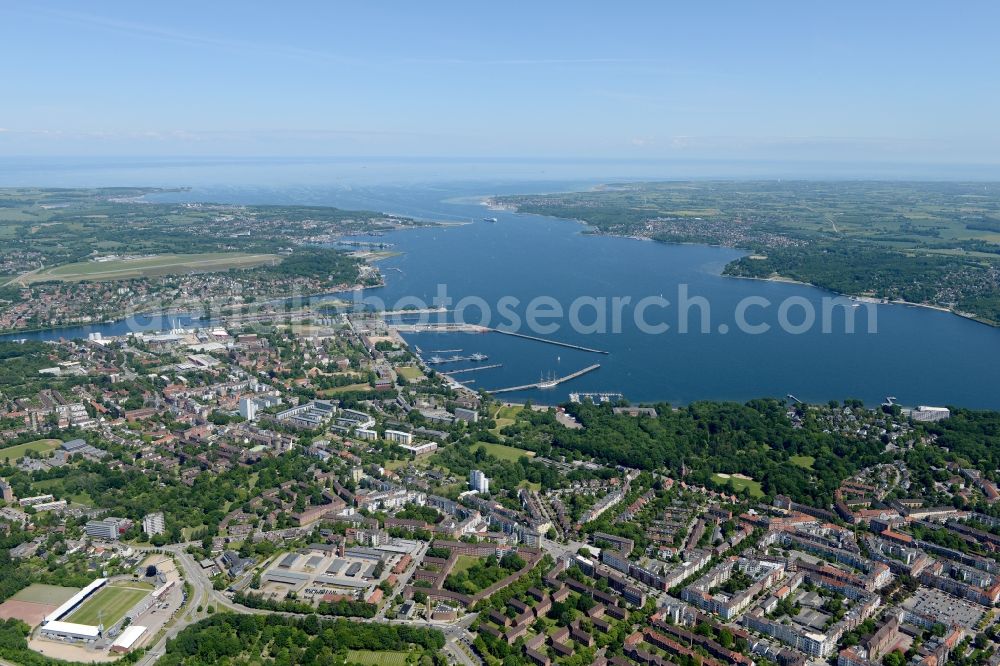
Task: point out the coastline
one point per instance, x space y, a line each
12 334
784 280
193 312
971 316
867 299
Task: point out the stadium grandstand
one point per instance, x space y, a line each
54 627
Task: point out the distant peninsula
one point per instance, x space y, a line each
72 256
927 243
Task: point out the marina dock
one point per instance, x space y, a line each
475 369
596 397
550 383
437 360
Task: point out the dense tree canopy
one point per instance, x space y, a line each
756 439
243 639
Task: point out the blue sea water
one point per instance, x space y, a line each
919 355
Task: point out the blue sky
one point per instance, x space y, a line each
878 81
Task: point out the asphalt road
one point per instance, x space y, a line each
457 635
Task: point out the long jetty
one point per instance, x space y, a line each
475 369
414 311
461 327
437 328
558 343
548 383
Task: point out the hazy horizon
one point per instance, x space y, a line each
289 173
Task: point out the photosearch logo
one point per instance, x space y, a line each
685 313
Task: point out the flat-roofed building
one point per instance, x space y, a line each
6 491
399 437
927 413
128 638
420 449
152 524
109 529
468 415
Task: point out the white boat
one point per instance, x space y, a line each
547 382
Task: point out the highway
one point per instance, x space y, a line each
202 595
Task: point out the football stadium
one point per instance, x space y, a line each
94 609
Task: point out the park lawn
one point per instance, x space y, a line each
373 658
39 446
448 488
805 462
365 386
108 605
409 372
505 416
500 425
463 564
163 264
81 498
509 411
55 487
39 593
503 452
738 484
420 462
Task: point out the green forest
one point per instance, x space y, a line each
855 268
756 439
280 640
333 266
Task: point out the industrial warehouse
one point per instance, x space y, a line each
324 572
